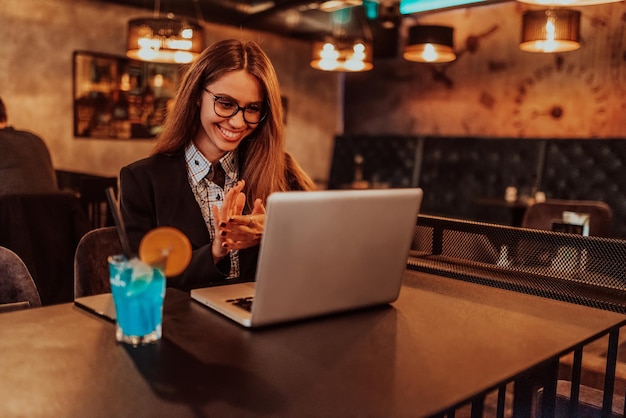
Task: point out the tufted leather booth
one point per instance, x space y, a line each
455 172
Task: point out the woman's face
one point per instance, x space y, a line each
220 134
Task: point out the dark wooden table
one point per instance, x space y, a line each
442 343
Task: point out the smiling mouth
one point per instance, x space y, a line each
229 134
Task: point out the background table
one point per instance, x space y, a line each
517 208
441 343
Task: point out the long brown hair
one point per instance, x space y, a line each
3 112
265 165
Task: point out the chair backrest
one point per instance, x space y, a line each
93 198
544 215
44 230
17 287
91 269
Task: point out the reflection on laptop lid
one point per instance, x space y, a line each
323 252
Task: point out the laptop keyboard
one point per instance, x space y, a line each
243 303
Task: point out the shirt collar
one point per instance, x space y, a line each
199 167
230 165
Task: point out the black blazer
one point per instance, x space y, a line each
155 192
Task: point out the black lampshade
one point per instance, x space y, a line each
550 30
430 43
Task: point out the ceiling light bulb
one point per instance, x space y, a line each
429 53
187 33
183 57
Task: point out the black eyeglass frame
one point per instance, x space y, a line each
264 109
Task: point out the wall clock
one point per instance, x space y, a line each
561 100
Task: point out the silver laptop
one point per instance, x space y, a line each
101 305
323 252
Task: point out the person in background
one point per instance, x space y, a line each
220 155
25 163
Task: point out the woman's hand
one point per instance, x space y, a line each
233 204
244 231
235 231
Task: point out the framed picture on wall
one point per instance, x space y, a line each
119 98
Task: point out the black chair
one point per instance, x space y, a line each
93 199
90 189
44 230
91 268
17 287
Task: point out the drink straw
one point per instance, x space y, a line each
119 223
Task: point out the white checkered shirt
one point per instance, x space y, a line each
208 194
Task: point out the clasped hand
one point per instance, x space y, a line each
233 230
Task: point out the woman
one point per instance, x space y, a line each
227 114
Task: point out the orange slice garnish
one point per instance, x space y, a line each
166 245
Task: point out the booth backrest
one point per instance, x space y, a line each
456 172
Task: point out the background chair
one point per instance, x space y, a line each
94 201
44 230
90 189
17 287
544 215
91 268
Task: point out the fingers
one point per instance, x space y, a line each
216 214
235 231
234 201
219 249
241 220
255 218
239 185
253 240
240 202
258 207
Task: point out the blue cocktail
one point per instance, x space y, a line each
138 291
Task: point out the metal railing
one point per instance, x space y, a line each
589 271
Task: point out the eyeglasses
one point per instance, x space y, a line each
227 108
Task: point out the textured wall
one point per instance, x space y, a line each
36 82
495 89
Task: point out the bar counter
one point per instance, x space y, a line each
442 343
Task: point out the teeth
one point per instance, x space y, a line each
229 134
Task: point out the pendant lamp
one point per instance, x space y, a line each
551 30
334 55
342 52
164 39
430 43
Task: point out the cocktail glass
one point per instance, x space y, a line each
138 290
